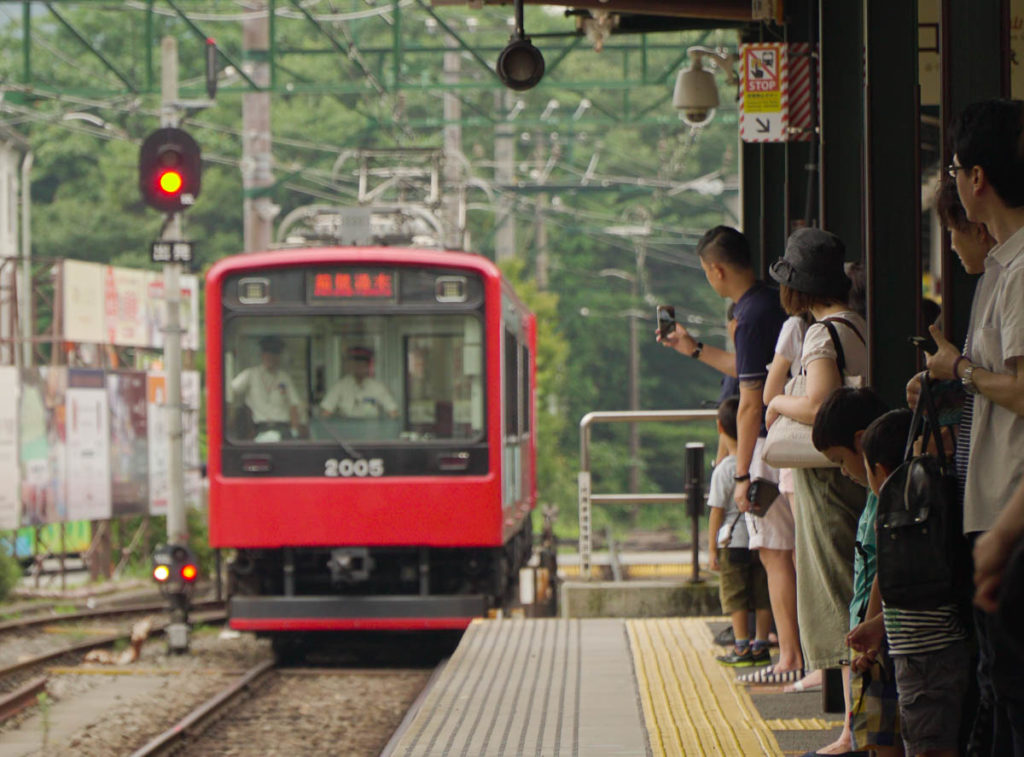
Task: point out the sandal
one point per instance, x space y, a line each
768 677
799 687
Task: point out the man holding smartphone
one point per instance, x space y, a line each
726 260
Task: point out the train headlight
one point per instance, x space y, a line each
450 289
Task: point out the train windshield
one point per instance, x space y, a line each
366 378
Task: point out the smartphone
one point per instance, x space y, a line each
666 320
924 343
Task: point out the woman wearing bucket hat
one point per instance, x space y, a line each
828 505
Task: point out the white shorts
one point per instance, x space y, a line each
777 529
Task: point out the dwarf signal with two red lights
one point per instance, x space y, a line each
170 170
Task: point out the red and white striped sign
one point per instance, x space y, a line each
801 126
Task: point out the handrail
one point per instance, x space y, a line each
586 498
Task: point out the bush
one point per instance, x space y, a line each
10 572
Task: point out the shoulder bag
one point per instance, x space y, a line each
789 444
922 556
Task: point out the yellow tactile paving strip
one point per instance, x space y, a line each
802 724
691 704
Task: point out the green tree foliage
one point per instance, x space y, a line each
587 162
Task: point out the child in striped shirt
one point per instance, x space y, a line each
929 647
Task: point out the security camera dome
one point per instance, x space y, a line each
695 95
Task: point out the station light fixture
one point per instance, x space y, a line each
520 65
170 170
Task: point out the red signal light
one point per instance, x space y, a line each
189 572
161 573
171 181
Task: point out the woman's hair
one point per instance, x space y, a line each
798 303
858 297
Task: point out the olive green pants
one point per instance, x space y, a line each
827 508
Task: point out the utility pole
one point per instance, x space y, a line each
257 162
453 198
504 171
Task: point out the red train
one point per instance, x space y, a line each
371 437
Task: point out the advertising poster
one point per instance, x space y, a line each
125 305
156 426
88 445
129 444
41 445
10 475
84 302
159 443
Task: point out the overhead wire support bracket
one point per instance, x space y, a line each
204 37
92 48
455 35
352 52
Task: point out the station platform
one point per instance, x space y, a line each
603 687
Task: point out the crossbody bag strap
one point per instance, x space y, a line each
848 324
840 355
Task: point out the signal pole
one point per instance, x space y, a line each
177 525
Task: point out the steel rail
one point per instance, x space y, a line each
196 721
21 698
43 619
103 641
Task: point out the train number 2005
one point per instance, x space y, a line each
346 468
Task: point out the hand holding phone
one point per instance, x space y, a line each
924 343
666 320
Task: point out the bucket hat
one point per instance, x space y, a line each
813 264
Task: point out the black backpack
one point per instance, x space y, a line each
922 560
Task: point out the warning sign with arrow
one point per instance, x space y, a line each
764 111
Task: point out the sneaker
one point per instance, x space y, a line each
734 659
764 657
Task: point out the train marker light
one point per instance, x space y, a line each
170 170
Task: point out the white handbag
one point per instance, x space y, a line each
789 444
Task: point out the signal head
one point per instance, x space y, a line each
170 170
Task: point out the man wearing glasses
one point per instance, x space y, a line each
988 167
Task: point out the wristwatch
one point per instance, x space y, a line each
968 380
744 477
696 353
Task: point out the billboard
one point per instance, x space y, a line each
123 306
10 473
129 443
88 445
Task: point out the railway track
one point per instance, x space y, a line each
320 710
22 691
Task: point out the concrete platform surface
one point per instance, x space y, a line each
596 687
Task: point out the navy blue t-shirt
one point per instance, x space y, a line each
759 318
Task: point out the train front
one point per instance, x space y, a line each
369 445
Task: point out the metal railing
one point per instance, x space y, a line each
587 499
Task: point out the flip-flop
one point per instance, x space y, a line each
799 687
768 677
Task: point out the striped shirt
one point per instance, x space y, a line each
922 631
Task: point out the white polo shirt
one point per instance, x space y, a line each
995 337
354 400
269 394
